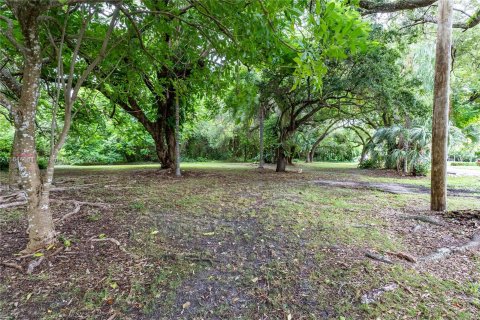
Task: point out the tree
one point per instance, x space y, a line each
441 107
37 186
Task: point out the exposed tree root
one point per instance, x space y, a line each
71 213
78 206
16 199
373 295
35 263
81 186
442 253
403 256
116 242
378 257
426 219
12 204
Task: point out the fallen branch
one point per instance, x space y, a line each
12 265
373 295
35 263
426 219
378 257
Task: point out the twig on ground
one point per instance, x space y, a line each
12 265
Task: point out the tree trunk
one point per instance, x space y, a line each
40 223
177 137
309 157
14 180
261 157
281 159
441 107
364 153
168 123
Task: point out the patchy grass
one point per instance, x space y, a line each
230 241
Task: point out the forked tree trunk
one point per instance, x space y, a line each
441 107
309 157
40 223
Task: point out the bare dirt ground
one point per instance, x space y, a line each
229 241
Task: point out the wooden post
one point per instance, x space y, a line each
441 107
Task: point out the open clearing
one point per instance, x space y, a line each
231 241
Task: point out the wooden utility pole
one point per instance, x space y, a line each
441 102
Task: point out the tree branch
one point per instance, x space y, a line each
377 7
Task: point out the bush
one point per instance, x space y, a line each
42 163
421 169
370 164
463 164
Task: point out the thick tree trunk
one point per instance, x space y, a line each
363 155
261 157
441 107
309 157
281 159
290 156
40 223
169 160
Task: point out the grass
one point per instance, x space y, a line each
228 241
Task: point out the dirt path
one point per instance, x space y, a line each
394 188
463 171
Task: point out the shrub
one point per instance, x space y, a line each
42 163
370 164
421 169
